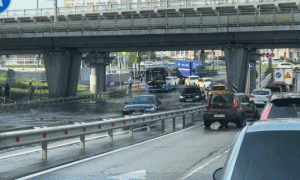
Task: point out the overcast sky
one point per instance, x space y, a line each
31 4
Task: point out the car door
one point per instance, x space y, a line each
248 108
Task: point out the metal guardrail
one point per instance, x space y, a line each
149 22
49 134
268 79
139 6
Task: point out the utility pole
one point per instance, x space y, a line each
55 10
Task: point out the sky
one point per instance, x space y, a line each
31 4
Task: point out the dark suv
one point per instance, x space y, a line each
224 108
191 93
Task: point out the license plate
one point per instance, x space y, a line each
189 99
219 115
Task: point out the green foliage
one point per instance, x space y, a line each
269 70
289 60
3 77
24 66
281 58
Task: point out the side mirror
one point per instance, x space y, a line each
218 174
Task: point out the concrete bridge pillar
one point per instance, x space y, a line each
237 64
98 72
253 57
62 72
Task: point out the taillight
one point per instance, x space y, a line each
252 96
265 114
235 105
207 105
268 96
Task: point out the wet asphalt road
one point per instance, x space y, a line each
68 113
193 153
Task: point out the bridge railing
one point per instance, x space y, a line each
49 134
164 21
175 4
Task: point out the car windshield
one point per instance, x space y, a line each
285 108
268 155
218 88
191 90
261 92
208 80
142 100
194 78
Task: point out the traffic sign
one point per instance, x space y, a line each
251 66
267 55
4 4
278 75
287 75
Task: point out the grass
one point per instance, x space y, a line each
40 87
216 67
24 66
264 67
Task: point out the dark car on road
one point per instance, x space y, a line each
267 150
191 94
250 109
143 104
285 87
282 105
224 108
274 89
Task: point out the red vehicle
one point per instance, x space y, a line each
285 87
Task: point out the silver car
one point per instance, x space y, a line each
268 150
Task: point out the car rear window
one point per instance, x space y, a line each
221 98
261 92
208 80
285 108
218 88
194 78
268 155
191 90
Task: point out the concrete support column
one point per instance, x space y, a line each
237 63
253 57
110 136
94 79
82 142
98 64
62 72
174 123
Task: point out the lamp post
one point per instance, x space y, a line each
55 10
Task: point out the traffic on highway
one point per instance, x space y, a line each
196 129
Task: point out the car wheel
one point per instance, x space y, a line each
207 123
241 122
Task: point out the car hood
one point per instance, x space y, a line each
138 106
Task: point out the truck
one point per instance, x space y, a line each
191 68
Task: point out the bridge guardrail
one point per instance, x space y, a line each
140 6
49 134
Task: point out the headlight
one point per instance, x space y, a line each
197 96
150 109
181 97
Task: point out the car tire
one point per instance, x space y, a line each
241 122
207 124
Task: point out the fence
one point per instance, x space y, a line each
48 134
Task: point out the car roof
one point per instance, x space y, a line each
263 89
275 125
144 96
193 76
285 95
240 94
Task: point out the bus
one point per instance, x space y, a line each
161 78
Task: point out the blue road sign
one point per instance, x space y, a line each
278 74
4 5
251 66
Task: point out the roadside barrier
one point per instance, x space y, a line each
49 134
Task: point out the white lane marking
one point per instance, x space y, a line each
100 155
132 175
201 167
